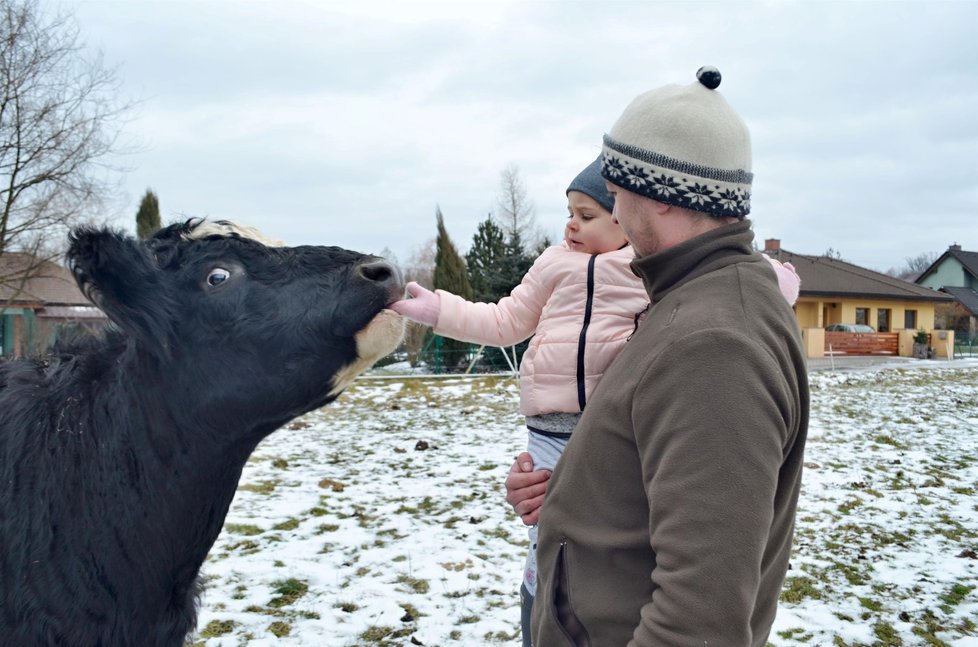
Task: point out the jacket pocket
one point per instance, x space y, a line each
562 608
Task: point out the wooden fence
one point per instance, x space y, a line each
862 343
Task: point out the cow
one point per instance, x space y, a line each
120 455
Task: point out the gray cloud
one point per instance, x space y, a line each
320 122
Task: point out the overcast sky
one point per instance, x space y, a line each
348 123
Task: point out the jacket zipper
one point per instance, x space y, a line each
581 400
560 601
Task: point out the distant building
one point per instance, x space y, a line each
34 311
955 272
836 292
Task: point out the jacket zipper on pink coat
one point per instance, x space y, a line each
581 383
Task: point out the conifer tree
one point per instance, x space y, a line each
510 270
484 261
515 263
497 264
148 216
450 275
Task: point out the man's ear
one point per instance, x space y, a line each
660 208
120 276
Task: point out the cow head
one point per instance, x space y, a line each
265 332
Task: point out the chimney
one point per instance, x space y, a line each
772 245
954 248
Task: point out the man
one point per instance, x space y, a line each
669 518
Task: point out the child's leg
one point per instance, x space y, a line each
526 612
545 448
528 589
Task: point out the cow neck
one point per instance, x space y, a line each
186 475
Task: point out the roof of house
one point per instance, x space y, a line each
967 297
968 260
49 284
823 276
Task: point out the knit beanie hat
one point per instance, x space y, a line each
684 146
590 183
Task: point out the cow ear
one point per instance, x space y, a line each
120 276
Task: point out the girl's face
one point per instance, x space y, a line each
590 229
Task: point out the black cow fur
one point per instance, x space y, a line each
119 458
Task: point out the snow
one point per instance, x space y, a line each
400 544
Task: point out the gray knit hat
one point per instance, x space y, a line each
590 182
684 146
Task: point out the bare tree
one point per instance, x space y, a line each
59 119
516 209
420 267
914 266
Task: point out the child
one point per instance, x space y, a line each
581 302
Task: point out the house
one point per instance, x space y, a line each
955 272
39 300
836 292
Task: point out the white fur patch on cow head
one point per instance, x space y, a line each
378 338
225 228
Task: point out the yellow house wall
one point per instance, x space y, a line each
814 314
813 341
808 313
818 313
942 341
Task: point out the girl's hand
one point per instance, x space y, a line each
423 307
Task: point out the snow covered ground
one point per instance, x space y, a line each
380 520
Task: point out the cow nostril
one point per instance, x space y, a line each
377 271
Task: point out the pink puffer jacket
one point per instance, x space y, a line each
580 310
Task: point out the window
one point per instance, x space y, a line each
883 320
862 316
910 319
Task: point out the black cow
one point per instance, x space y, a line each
119 459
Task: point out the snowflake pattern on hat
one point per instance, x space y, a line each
717 192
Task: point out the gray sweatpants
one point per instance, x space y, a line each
526 611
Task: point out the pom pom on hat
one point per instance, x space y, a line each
709 76
590 183
684 146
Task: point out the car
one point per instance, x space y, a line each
849 328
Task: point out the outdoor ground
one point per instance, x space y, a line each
380 519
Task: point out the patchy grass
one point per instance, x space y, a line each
886 517
217 628
379 520
288 592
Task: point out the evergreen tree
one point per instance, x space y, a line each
505 274
516 262
542 246
148 216
449 275
484 262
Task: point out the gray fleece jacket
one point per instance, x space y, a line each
669 518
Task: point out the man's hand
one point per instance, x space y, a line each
525 489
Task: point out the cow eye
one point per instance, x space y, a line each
217 276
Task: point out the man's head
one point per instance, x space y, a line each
685 150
